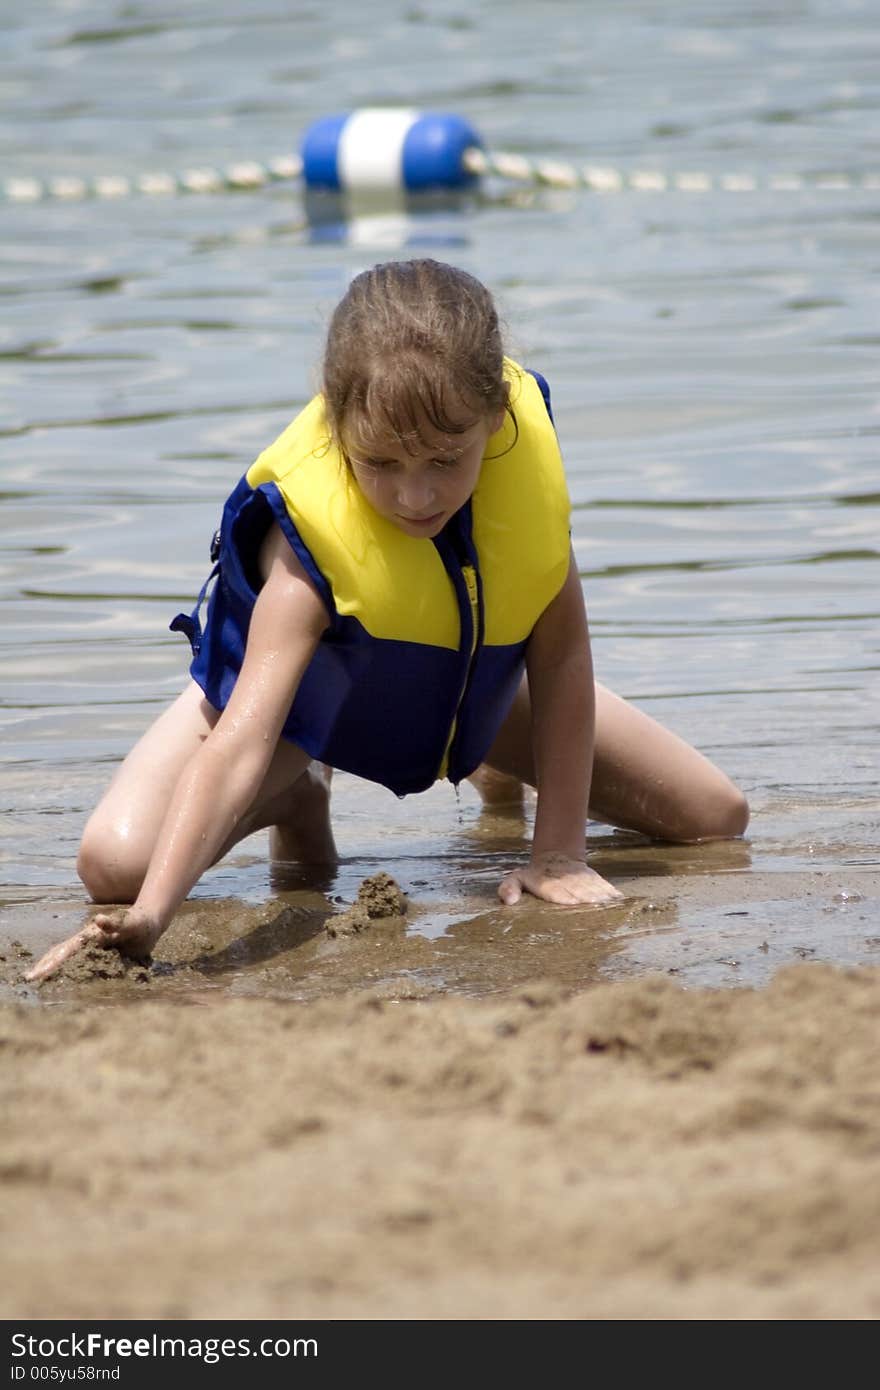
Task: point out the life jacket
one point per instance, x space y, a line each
425 648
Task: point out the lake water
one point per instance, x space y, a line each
713 359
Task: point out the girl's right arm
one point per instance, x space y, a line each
219 783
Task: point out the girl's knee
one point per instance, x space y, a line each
109 871
722 814
497 789
737 814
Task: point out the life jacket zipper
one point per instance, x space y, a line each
469 575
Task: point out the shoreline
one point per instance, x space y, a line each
697 914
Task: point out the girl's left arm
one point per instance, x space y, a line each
562 695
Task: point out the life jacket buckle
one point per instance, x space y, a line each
188 623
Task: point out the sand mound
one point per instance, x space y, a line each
378 896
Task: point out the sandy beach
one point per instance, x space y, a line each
668 1108
180 1147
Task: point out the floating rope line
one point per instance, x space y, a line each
515 168
246 175
599 178
380 151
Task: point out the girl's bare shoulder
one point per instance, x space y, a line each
274 550
285 581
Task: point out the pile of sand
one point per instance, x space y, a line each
378 896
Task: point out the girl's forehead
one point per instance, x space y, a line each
421 435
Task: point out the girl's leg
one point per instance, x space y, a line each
644 777
498 789
120 835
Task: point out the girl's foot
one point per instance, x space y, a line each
497 789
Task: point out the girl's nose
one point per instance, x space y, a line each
416 495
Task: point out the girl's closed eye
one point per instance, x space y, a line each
377 465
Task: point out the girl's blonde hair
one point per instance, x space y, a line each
412 341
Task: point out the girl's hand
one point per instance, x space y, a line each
556 878
130 931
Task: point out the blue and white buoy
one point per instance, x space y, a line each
383 149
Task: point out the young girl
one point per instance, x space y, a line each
395 595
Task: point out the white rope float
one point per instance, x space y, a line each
600 178
66 188
401 151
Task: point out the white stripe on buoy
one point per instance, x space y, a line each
370 154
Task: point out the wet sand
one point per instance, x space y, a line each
455 1111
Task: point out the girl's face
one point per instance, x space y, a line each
420 486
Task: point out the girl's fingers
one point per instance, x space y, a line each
578 886
57 955
108 926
